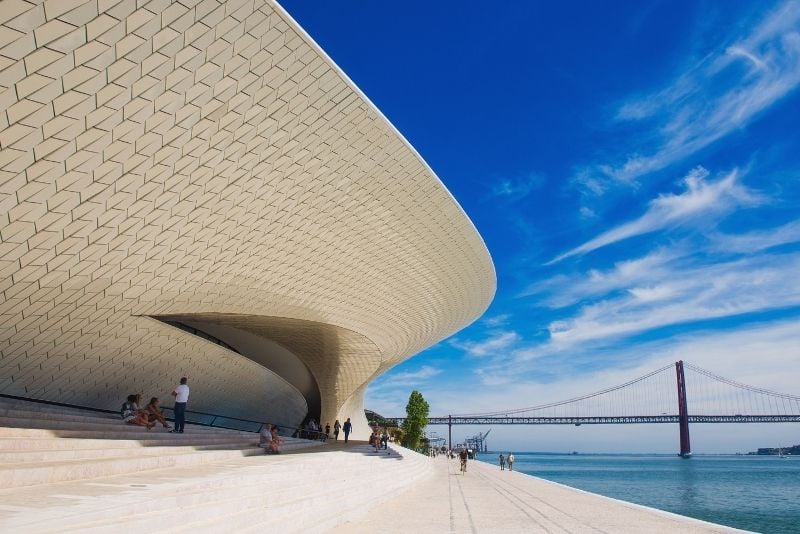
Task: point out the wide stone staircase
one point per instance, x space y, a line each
69 470
41 443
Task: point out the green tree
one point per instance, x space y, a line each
417 411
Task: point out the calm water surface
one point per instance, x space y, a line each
759 493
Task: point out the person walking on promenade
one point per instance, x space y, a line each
336 427
385 439
510 461
502 462
348 427
463 457
181 394
327 431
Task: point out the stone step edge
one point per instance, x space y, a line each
384 492
50 424
98 468
131 432
168 508
62 471
119 454
142 442
54 444
8 457
125 452
13 420
162 452
40 414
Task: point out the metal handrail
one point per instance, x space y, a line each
194 420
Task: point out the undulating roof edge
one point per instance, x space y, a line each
310 40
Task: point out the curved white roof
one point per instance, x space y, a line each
210 163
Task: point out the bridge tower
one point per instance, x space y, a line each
450 432
683 411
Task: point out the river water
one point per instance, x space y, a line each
758 493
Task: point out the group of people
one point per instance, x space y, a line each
347 428
146 416
509 459
312 430
269 439
133 413
379 440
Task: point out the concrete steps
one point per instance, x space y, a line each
21 456
45 444
292 493
63 470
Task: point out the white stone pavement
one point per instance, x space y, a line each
66 470
488 500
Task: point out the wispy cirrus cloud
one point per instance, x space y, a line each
496 341
691 293
517 188
410 378
757 240
708 100
496 320
702 199
565 290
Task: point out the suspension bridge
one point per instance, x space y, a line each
662 396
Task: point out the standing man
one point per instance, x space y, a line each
181 394
502 462
510 461
348 427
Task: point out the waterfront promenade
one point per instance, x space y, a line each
65 470
489 500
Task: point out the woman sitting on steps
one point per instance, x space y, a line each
132 415
154 413
274 444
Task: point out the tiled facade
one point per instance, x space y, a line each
207 159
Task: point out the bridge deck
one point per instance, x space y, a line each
488 500
599 420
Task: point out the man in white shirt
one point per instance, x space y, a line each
181 394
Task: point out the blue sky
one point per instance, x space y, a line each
634 169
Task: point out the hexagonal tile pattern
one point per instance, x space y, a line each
206 157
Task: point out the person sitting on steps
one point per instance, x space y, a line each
265 438
275 443
132 415
154 413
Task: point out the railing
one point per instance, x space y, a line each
197 418
607 420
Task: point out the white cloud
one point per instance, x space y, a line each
758 239
496 320
406 378
517 188
718 95
562 290
691 293
497 341
701 200
654 293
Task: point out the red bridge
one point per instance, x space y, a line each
650 399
